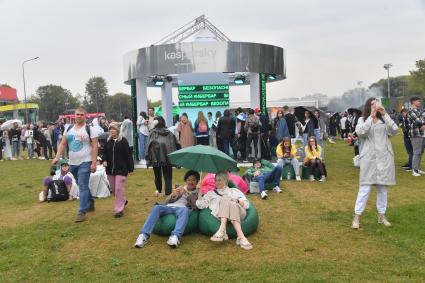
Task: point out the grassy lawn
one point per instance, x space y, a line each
304 233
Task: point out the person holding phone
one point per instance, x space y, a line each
376 159
180 202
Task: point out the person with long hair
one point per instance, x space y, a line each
185 131
376 159
313 159
119 163
161 143
280 125
286 153
201 129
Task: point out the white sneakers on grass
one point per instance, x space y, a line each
277 189
263 194
141 241
173 241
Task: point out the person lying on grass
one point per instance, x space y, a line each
180 202
226 204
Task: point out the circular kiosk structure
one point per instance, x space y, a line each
203 70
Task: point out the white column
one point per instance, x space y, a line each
254 83
141 96
167 103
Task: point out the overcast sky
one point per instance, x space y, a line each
330 44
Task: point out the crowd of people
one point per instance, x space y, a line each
246 135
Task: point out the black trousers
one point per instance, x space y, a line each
316 163
48 146
167 172
252 138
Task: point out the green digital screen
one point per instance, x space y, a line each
203 95
215 103
263 94
203 88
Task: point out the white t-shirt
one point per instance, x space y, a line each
79 144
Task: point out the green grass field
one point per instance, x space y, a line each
304 233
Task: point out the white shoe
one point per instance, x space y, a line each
42 197
312 178
415 173
322 179
383 220
42 158
244 243
13 158
298 178
141 241
158 194
356 222
277 189
263 195
173 241
219 236
421 172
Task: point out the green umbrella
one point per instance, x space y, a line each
203 159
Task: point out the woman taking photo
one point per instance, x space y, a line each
376 159
119 162
202 129
286 153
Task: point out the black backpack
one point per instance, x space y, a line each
58 191
87 130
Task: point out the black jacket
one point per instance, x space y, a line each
118 156
161 143
226 127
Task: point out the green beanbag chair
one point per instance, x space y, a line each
208 224
306 172
288 168
166 224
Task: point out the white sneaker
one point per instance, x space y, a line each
298 178
263 195
277 189
13 158
312 178
141 241
383 220
158 194
322 179
173 241
42 197
415 173
42 158
356 222
421 172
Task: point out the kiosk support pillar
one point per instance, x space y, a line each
167 103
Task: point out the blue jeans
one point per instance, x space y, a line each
295 164
319 141
16 145
409 149
271 177
182 214
142 145
30 147
82 176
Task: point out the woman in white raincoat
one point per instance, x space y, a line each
376 159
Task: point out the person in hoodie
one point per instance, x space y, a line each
118 160
127 131
161 143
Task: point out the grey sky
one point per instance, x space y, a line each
330 44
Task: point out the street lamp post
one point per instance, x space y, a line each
25 91
387 67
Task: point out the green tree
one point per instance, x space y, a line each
96 93
398 86
118 106
52 101
418 78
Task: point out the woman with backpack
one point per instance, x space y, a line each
201 129
118 160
